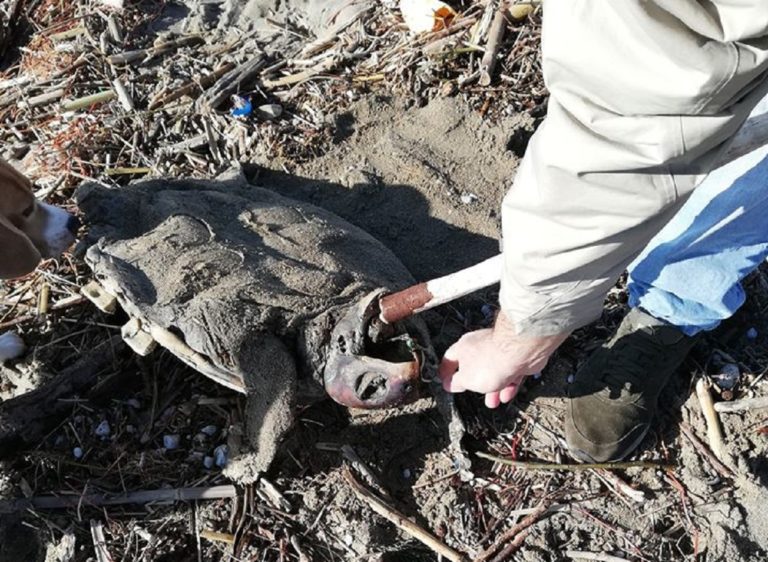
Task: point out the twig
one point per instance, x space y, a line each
714 431
595 556
576 467
131 56
137 497
743 405
291 79
62 304
190 87
400 520
620 487
99 542
721 468
516 534
218 537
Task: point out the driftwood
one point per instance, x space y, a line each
714 431
230 82
26 420
191 87
137 497
743 405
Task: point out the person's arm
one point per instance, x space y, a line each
643 97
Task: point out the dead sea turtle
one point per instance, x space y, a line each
257 291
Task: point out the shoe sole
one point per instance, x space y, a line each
583 457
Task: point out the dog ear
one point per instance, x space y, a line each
18 256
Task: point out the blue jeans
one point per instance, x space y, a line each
690 273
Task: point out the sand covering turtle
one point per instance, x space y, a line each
257 291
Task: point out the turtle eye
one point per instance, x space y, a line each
28 211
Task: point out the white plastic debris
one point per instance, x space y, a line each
426 15
468 198
208 462
171 442
77 452
103 429
220 454
209 430
269 111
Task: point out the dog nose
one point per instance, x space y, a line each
73 224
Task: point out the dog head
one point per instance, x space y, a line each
29 230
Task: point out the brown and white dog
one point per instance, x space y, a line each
29 231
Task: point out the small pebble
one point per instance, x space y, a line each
103 429
208 462
77 452
220 455
407 473
752 334
133 403
209 430
468 198
570 379
171 442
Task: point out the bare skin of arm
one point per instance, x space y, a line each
495 361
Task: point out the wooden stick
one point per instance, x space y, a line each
576 467
714 431
743 405
722 469
517 534
424 296
137 497
439 291
88 101
122 95
495 37
401 521
218 537
593 556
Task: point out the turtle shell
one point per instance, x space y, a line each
243 284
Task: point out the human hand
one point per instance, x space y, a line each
495 361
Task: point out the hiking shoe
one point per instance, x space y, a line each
614 395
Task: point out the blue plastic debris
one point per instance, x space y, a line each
243 107
103 429
171 442
752 334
